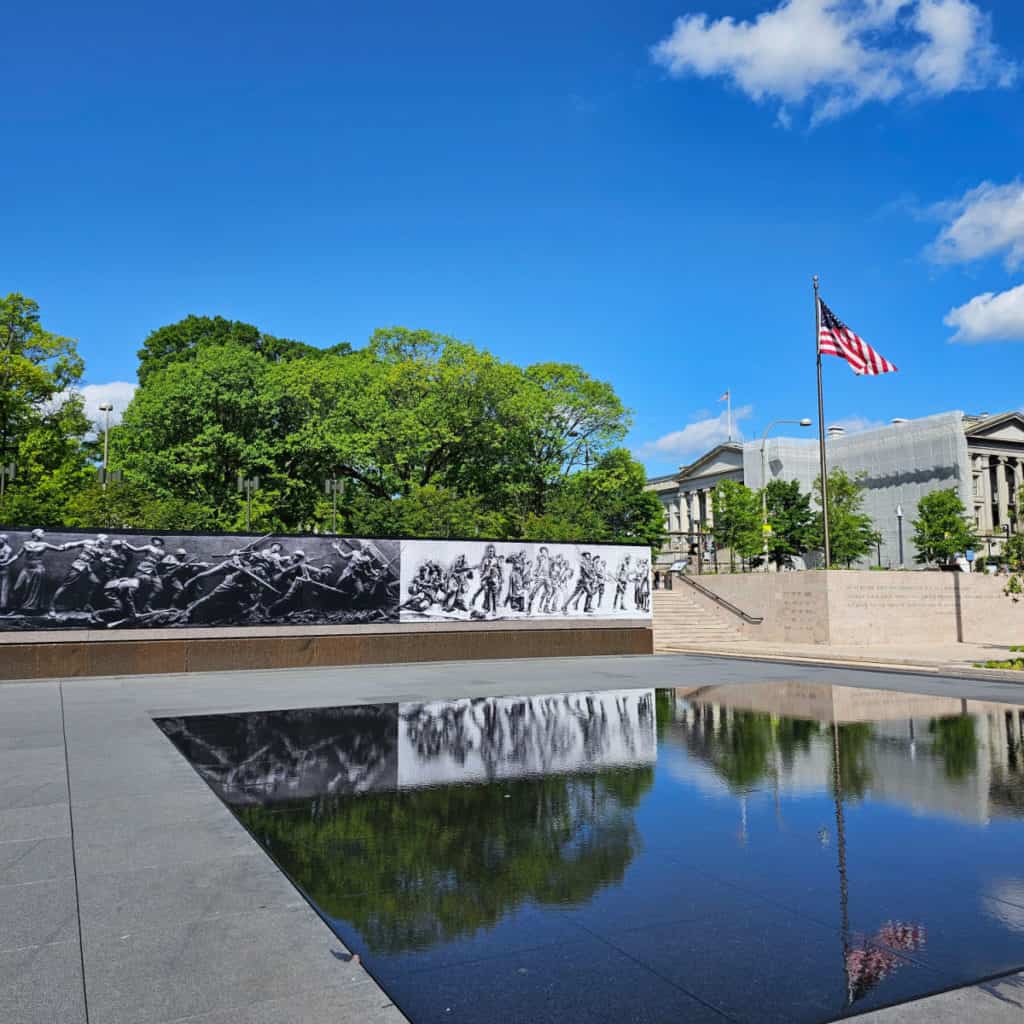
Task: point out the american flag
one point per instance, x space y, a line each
836 339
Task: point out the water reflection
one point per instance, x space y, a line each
807 851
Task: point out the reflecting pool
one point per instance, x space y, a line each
783 852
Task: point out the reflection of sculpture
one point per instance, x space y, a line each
277 755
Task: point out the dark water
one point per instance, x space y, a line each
753 853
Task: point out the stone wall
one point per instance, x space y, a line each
853 607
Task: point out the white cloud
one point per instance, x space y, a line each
117 392
697 437
985 221
989 317
837 55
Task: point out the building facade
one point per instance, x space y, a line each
982 457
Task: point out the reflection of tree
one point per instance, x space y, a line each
854 771
793 736
957 742
443 863
738 745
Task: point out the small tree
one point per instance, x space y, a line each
791 520
851 531
737 524
1013 551
942 528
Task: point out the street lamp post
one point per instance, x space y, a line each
335 487
805 422
899 531
106 408
248 484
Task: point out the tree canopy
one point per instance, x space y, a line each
430 435
178 342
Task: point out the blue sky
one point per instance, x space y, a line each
645 189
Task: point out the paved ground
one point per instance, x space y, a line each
129 894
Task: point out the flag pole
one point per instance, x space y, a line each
728 406
821 429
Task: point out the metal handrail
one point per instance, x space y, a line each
754 620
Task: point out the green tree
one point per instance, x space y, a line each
1013 551
791 520
193 426
432 436
851 531
737 522
942 528
604 503
42 425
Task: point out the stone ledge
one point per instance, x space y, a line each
145 655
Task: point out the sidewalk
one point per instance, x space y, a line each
960 659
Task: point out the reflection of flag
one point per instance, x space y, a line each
724 396
836 339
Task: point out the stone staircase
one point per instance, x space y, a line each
681 621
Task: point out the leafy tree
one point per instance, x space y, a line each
1013 551
193 426
737 523
851 531
791 520
942 528
605 503
42 425
179 342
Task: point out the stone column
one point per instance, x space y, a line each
1018 491
684 515
1003 489
710 492
986 495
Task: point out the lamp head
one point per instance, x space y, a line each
805 422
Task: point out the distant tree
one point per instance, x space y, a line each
942 528
737 522
791 520
851 531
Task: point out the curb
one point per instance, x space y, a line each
939 669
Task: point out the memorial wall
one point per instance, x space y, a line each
131 580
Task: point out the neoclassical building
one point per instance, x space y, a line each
688 500
981 456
